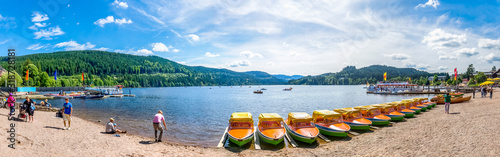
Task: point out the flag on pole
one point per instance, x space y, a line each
385 76
409 79
27 74
83 79
55 75
367 84
455 73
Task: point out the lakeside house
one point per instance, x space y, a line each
440 78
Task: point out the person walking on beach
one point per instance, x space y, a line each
474 92
482 93
30 108
447 101
67 112
156 124
491 92
11 102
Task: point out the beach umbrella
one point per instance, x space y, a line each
489 79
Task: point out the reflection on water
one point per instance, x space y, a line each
199 115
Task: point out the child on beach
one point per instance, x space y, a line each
67 112
156 124
447 101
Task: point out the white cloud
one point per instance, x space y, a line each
119 4
439 39
422 66
467 52
111 19
37 17
442 68
269 63
144 52
433 3
398 56
410 65
72 45
208 54
250 54
239 63
489 44
38 25
48 33
293 53
5 41
447 57
175 50
102 49
490 58
123 21
193 37
35 47
159 47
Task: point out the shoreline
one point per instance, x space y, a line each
472 130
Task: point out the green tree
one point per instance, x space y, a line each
480 77
435 78
19 79
45 80
470 71
494 69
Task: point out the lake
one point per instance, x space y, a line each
199 115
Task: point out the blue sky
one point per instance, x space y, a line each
278 37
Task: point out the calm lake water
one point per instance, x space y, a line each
199 115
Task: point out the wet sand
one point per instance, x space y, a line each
473 129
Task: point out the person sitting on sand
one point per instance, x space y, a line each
47 103
111 127
156 124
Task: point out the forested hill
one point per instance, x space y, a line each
109 68
372 74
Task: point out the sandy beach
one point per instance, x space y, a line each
471 130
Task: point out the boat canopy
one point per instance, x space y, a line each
348 110
326 114
299 117
366 108
382 106
270 117
241 117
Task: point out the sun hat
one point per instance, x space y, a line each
111 119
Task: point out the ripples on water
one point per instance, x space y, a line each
199 115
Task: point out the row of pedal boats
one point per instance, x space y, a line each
302 127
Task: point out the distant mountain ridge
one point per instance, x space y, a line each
109 68
371 74
287 77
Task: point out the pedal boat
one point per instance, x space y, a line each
300 126
389 111
353 118
400 106
373 114
241 129
270 128
330 123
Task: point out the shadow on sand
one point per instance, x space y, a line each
147 142
51 127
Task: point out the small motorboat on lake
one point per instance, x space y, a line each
288 89
300 126
258 92
330 123
353 118
241 129
263 89
373 114
270 128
